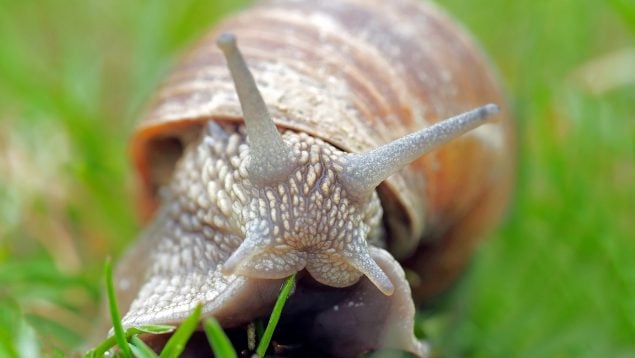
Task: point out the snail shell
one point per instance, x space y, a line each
350 76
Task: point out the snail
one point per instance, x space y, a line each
324 152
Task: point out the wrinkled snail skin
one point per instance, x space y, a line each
315 164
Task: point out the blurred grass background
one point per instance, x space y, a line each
558 279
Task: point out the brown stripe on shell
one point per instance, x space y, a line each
342 54
299 54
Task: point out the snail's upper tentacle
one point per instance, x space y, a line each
365 171
271 158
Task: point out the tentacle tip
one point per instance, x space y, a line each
227 269
489 109
230 266
226 41
386 287
368 267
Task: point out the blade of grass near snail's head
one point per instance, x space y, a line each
121 337
130 344
275 315
114 312
140 349
178 341
218 340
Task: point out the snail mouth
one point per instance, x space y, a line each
317 320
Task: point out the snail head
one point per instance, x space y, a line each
312 206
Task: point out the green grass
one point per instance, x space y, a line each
178 340
128 341
557 279
275 316
128 344
115 316
220 343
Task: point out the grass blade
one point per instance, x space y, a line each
218 340
114 312
131 332
140 349
275 316
150 328
179 339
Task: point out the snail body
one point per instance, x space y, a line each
317 167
